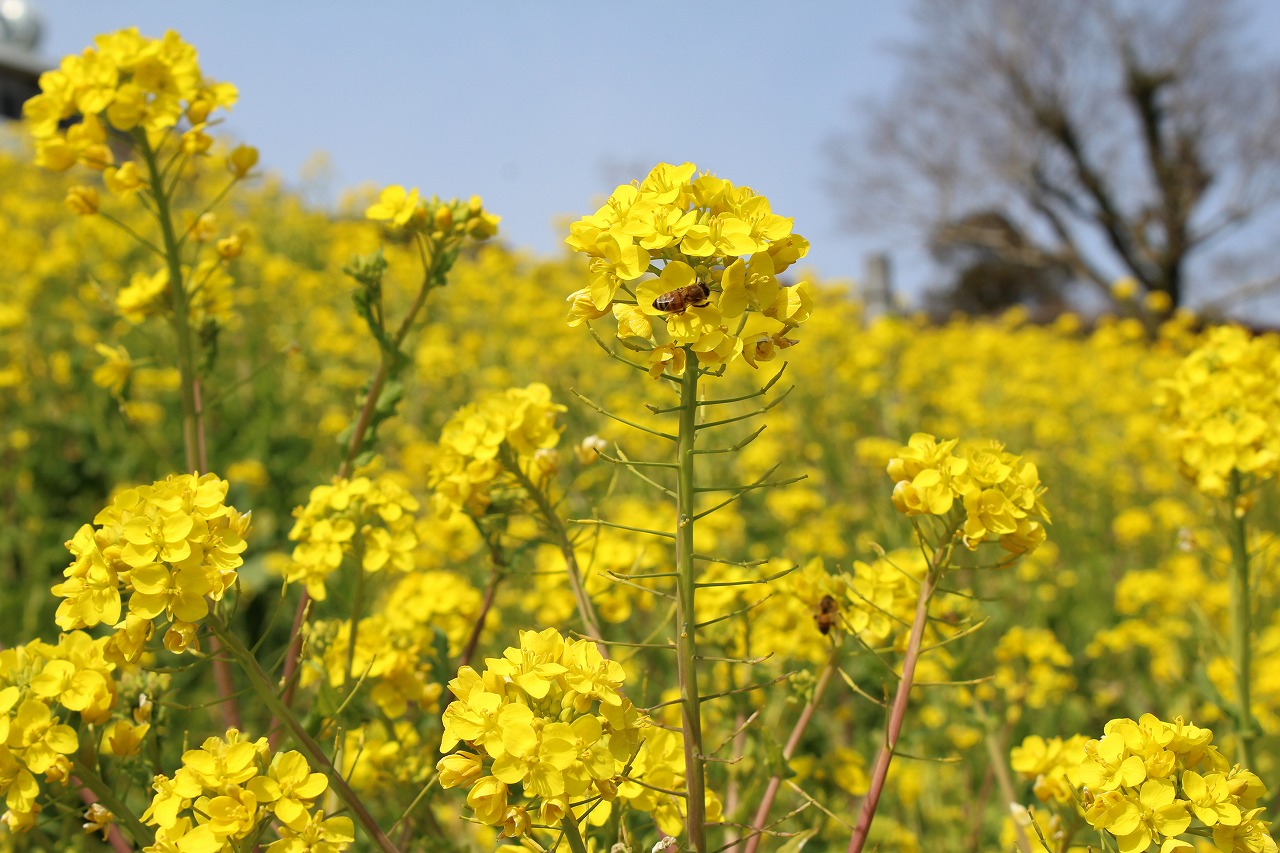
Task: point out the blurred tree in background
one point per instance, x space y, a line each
1102 138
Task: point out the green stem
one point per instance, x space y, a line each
560 534
996 753
1241 618
686 641
178 293
263 687
572 834
357 610
140 832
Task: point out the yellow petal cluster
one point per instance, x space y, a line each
691 262
164 550
466 465
1222 408
1150 782
395 647
231 788
545 729
127 81
42 687
999 493
372 517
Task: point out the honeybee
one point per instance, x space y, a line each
826 615
682 298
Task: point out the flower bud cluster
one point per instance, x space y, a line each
1151 782
372 518
440 220
998 491
230 789
466 466
544 727
700 254
126 83
41 686
163 550
1222 408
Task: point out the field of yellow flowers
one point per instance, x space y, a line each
361 531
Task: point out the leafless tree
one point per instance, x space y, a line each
1115 137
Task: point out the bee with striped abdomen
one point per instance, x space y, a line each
683 298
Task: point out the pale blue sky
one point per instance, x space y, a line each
541 108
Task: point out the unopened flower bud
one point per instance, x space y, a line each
230 247
204 228
82 201
547 460
589 450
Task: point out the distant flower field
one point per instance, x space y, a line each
363 531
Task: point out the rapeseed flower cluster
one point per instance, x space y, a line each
548 716
1000 493
164 550
1223 410
1151 782
128 83
395 646
700 254
406 210
1033 671
368 518
42 687
466 466
231 789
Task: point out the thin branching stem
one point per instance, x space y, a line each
899 710
1241 618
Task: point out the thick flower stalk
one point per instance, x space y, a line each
546 733
157 554
689 265
1152 782
231 791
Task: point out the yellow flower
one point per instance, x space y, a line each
82 201
395 205
241 160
